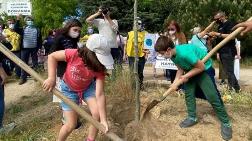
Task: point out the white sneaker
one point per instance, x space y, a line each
7 128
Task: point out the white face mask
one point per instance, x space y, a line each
74 34
11 26
172 32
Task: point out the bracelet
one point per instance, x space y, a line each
220 35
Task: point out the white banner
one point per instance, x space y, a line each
165 64
16 8
237 68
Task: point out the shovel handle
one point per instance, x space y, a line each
56 92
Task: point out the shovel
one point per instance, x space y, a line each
154 102
56 92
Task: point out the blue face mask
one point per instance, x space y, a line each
90 31
29 23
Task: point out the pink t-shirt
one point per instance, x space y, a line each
77 76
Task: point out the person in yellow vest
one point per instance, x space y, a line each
129 51
90 31
14 39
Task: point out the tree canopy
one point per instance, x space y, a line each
154 13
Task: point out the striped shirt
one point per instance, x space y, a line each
30 38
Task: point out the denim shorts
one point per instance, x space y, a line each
72 95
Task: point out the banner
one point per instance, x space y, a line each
150 40
162 63
16 8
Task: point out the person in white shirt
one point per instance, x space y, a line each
106 26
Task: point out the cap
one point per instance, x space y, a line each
99 45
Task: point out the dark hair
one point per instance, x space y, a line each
11 20
90 60
69 24
50 32
163 43
105 9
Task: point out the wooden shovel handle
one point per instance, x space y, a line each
56 92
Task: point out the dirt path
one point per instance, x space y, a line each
14 92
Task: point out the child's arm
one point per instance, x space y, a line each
53 59
198 68
101 102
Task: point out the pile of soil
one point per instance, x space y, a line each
162 123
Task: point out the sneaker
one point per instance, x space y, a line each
22 81
238 91
226 132
7 128
188 122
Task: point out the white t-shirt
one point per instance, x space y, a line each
122 41
106 30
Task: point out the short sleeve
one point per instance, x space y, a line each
229 27
100 76
96 22
115 26
70 53
191 58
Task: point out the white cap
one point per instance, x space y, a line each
99 45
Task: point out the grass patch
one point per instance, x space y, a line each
240 101
250 135
37 129
121 83
15 109
246 62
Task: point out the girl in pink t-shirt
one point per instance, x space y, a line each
83 79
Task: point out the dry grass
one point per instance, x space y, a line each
242 99
120 84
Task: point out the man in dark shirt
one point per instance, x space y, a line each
228 51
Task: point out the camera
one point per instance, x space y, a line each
104 10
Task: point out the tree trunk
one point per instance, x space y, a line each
137 90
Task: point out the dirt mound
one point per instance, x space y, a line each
162 123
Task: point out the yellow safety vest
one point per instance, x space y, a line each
14 39
84 39
130 44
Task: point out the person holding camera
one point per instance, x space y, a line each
106 26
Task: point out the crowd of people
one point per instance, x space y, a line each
77 65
